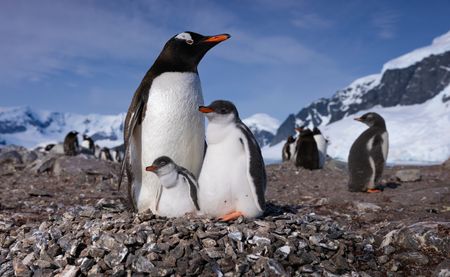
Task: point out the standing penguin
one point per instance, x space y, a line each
321 146
286 152
233 177
105 154
163 120
88 144
178 193
71 146
368 154
307 152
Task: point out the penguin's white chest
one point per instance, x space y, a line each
322 147
172 127
224 185
176 201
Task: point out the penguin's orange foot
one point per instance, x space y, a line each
373 190
230 216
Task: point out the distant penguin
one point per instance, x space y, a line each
71 146
233 177
88 144
105 154
286 152
163 120
321 146
293 147
97 151
368 155
178 193
307 152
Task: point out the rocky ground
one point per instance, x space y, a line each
63 216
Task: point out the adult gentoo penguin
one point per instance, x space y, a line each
71 146
88 144
307 153
233 177
178 193
322 144
368 154
286 153
163 119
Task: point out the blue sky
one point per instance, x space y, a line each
89 56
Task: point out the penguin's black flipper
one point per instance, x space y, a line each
257 168
193 185
378 158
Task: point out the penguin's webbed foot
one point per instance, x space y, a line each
230 216
373 190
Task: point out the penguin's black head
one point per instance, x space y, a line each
184 51
306 133
161 165
220 111
316 131
85 137
372 119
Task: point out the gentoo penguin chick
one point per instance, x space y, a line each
71 146
321 146
178 193
88 144
368 154
307 152
163 120
286 152
233 177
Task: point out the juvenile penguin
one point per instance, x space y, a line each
307 152
321 146
233 177
71 146
178 193
368 155
88 144
286 152
163 114
53 148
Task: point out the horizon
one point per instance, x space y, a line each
88 58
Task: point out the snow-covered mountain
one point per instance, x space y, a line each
263 126
30 128
412 93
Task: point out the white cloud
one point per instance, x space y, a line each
385 23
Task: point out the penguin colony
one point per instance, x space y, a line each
172 170
71 147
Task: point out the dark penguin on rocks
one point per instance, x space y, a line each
286 152
368 155
163 119
71 146
307 152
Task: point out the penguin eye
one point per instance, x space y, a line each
189 41
223 111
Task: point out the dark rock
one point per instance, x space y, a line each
142 264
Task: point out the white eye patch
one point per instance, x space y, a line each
185 36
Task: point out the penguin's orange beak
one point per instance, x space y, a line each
298 129
151 168
204 109
357 118
217 38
